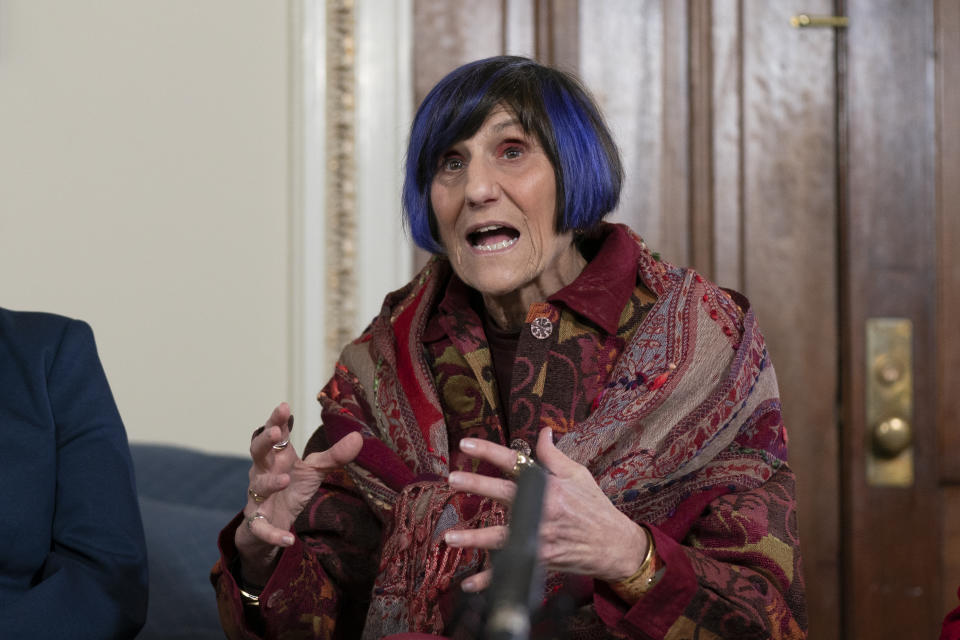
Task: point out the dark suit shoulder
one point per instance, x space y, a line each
30 331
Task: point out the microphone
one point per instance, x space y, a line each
514 589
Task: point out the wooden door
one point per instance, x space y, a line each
817 171
888 204
947 78
899 129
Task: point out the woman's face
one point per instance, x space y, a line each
495 199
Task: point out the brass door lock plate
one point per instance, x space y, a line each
889 399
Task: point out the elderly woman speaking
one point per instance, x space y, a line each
536 332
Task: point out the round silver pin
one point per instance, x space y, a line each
541 328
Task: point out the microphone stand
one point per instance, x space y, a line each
517 582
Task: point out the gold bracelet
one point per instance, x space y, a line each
632 588
646 560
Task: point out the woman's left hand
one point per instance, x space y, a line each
580 530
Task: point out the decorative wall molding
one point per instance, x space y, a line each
341 192
351 104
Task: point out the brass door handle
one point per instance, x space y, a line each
892 437
804 21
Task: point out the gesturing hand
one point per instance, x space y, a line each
281 485
580 530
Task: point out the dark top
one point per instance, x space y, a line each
503 351
72 554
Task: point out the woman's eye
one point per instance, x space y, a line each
452 164
512 153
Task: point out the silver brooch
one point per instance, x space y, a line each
541 328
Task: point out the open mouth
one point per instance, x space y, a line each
492 237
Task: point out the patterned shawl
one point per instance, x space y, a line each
693 377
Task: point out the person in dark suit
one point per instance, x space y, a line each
73 560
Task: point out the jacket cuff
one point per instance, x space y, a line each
658 609
232 615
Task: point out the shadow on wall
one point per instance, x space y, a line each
186 498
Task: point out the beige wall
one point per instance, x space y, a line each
144 188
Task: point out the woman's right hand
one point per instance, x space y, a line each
281 485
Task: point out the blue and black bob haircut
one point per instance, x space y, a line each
548 103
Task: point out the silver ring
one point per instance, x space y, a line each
256 516
281 445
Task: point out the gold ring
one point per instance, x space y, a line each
281 445
256 496
256 516
523 462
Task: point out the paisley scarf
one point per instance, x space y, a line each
693 378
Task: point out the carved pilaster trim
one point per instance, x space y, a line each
341 196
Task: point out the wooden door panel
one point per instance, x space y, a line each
789 257
891 534
726 140
948 235
948 298
448 33
633 57
950 557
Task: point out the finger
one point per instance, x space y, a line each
496 454
499 489
276 418
267 484
552 458
263 530
484 538
280 416
341 453
276 429
477 582
262 446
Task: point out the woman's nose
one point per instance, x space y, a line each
482 184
